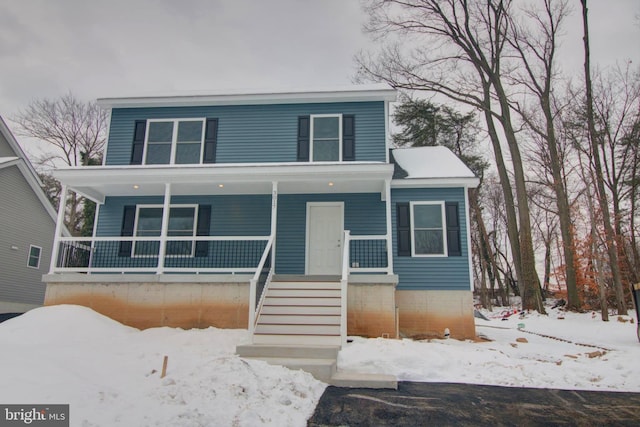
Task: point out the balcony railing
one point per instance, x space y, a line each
202 254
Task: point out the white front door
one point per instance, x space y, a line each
325 227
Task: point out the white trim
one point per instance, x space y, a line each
444 230
307 244
312 118
387 136
435 182
468 225
389 234
352 93
174 139
39 256
62 202
106 142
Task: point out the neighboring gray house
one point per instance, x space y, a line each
27 224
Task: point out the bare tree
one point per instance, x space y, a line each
536 49
601 194
75 136
456 48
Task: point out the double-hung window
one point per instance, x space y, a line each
182 222
326 138
178 141
428 229
34 256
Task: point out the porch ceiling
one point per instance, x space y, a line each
98 182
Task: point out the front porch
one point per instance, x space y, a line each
199 247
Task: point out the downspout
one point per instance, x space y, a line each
467 223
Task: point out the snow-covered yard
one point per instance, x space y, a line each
110 373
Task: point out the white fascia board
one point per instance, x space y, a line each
348 94
95 175
435 182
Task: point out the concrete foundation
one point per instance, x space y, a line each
425 314
374 309
147 301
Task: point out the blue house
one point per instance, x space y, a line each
287 213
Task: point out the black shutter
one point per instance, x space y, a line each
138 142
303 138
403 225
128 219
202 229
210 141
348 137
453 229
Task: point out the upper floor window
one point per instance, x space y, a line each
174 141
326 138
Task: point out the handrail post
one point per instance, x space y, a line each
252 303
344 282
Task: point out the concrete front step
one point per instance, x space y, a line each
360 380
301 301
302 340
321 369
307 351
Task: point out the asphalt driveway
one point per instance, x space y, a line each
439 404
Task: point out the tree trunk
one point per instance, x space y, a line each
601 192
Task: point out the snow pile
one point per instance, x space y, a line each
110 373
588 354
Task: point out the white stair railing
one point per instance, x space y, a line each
344 281
253 284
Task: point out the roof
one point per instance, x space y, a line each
430 166
352 93
25 166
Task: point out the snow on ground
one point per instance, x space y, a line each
109 373
540 362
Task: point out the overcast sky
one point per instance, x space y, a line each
131 47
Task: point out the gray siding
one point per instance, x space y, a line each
363 214
255 133
450 273
23 222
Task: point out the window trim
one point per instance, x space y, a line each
444 229
174 139
37 266
312 118
155 206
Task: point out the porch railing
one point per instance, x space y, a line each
201 254
367 254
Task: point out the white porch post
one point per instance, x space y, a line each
58 230
387 192
165 227
274 221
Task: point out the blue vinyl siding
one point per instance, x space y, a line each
363 214
255 133
230 215
438 273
